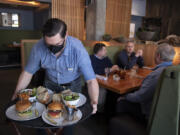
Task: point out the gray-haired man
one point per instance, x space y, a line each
139 102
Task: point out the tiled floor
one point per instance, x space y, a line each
95 125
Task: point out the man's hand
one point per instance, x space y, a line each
139 53
114 68
121 98
23 82
94 106
14 96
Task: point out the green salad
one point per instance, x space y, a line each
33 93
71 97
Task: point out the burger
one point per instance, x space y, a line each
23 96
23 108
55 110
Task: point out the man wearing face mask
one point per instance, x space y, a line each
64 59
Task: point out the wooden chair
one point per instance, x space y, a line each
26 46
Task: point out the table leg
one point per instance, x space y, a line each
17 130
59 131
54 131
48 131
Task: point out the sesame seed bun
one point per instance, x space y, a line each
55 106
55 110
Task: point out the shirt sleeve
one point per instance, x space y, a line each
93 64
33 63
85 65
109 63
146 91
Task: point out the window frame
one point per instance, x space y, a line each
11 26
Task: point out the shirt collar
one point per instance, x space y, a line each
163 64
98 57
65 52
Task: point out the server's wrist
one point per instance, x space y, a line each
94 102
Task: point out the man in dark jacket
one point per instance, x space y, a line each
100 61
127 58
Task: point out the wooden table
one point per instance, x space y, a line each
126 85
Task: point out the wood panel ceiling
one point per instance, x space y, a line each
32 3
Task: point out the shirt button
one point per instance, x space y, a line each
58 77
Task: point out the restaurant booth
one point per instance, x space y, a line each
164 117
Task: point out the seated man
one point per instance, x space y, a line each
100 61
139 102
127 58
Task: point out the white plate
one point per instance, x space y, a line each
82 100
12 114
62 121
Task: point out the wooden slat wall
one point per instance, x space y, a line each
72 12
148 51
168 11
118 13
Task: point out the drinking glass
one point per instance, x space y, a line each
107 71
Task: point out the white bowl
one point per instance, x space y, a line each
71 103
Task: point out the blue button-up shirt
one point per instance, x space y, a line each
73 62
145 94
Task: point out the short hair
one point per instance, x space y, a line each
54 26
166 52
98 47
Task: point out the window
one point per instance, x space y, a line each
132 30
9 19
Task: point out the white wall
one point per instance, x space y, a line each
138 7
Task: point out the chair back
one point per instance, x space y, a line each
164 118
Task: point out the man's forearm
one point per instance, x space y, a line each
23 81
93 90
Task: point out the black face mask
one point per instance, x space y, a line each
56 49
